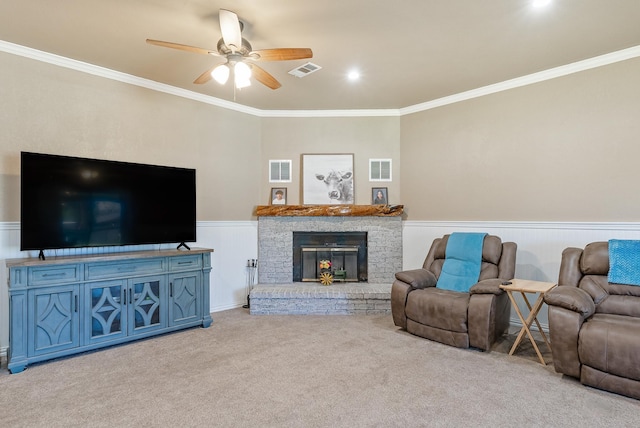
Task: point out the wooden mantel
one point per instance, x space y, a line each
329 210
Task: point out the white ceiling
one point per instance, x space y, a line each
408 51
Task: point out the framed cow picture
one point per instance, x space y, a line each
327 179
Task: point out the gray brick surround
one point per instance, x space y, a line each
312 298
275 242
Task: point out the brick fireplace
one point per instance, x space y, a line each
278 293
275 242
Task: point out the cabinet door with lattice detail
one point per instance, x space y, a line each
107 317
184 298
146 304
54 319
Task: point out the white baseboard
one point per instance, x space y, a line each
220 308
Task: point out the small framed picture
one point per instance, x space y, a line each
379 196
278 196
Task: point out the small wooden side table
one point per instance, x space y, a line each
524 286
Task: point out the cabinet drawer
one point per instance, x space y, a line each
124 269
185 262
52 275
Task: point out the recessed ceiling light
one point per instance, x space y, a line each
353 75
540 3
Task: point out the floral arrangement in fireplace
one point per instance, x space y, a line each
326 278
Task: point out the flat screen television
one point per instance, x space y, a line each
71 202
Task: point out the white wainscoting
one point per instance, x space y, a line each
233 243
540 246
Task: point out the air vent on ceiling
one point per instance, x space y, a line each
305 70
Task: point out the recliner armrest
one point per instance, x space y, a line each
571 298
417 278
487 286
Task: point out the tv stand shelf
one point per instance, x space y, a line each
66 305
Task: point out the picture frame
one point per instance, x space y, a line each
379 196
327 179
278 196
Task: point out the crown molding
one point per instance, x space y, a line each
332 113
96 70
529 79
576 67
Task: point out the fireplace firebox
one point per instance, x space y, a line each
343 254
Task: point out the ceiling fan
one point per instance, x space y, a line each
238 53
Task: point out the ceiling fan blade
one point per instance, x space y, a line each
205 77
230 29
265 78
282 54
178 46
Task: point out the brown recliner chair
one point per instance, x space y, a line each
595 325
474 319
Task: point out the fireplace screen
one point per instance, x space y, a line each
341 262
343 254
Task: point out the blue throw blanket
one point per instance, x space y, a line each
624 261
462 263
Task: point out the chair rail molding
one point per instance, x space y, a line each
588 226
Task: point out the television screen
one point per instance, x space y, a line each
70 202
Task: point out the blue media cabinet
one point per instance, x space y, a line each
67 305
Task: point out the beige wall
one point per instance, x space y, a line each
562 150
365 137
49 109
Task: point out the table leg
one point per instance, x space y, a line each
526 323
533 316
544 336
522 330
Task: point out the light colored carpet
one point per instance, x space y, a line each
303 371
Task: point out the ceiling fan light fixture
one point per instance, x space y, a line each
221 74
235 49
242 71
